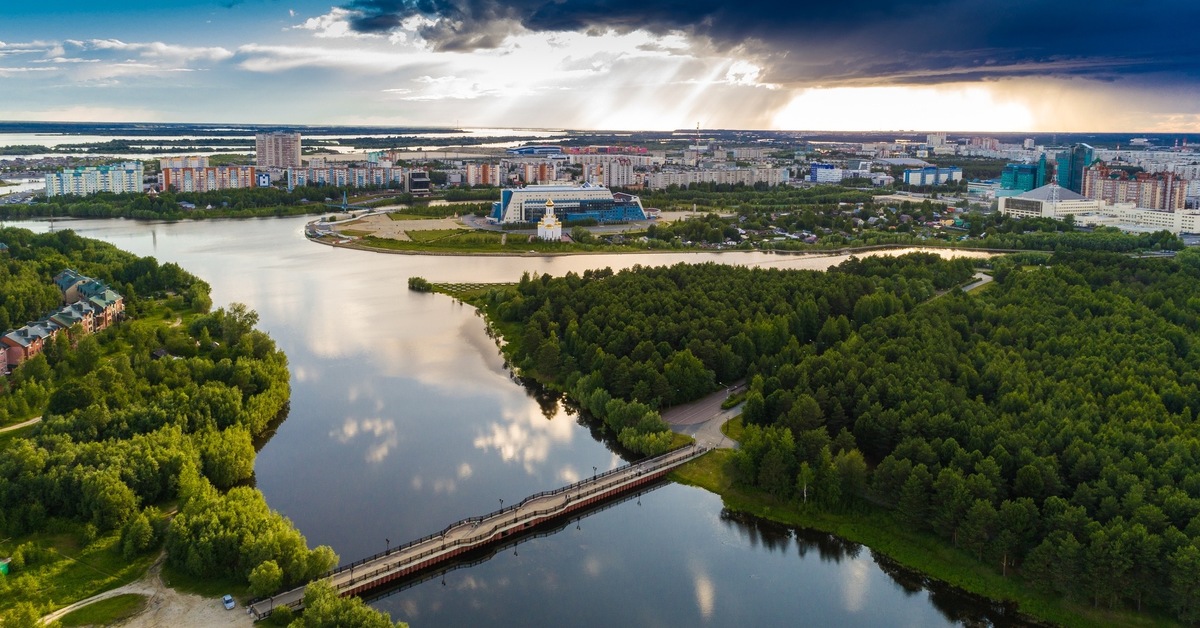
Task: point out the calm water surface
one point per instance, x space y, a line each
404 419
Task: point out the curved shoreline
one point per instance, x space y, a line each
354 245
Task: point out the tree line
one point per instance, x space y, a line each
1046 426
626 345
147 413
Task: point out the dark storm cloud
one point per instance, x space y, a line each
853 41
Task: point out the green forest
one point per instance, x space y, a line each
157 414
236 203
1045 426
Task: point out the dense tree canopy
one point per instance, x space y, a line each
628 344
147 412
1046 425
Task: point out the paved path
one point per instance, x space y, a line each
702 419
981 279
477 532
34 420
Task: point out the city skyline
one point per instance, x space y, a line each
863 65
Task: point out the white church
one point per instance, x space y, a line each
549 227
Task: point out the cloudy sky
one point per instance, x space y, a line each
1011 65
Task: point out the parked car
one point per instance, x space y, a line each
228 602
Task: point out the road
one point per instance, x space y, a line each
981 280
702 419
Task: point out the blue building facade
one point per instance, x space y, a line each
571 203
1071 165
1024 177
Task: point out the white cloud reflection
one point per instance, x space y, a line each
856 580
380 433
525 436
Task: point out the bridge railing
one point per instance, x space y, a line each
501 526
598 485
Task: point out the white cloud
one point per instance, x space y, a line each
158 50
447 88
333 25
278 58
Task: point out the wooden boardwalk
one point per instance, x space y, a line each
477 532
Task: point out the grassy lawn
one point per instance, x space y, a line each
877 529
207 587
467 241
433 235
61 569
734 429
680 440
106 612
403 216
469 291
358 233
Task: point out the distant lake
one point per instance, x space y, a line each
404 419
437 141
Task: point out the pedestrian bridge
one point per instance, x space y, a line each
475 533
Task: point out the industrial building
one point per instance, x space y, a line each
932 175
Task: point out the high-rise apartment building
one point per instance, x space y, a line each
618 173
1147 190
277 150
1071 164
198 161
83 181
483 174
207 179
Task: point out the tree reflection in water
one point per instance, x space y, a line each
955 604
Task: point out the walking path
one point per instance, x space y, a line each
34 420
477 532
165 606
702 419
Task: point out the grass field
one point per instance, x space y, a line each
205 587
106 612
61 568
468 291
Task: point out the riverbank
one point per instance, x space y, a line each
877 529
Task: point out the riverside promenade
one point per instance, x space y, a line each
478 532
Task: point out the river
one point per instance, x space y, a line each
404 419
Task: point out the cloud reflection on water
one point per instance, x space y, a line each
524 435
382 433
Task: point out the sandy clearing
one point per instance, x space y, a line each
166 606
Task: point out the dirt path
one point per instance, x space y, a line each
166 606
36 419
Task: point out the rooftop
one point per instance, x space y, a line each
1049 191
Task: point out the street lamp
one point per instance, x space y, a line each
501 503
389 544
593 472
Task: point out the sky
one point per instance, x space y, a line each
957 65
